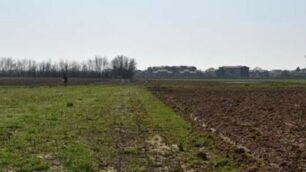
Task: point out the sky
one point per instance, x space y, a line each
204 33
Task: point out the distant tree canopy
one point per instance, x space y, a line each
100 67
298 69
123 67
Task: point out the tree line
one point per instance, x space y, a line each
97 67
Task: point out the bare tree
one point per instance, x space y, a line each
123 67
96 67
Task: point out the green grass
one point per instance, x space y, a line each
90 128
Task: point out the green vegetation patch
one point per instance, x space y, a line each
98 128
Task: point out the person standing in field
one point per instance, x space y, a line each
65 79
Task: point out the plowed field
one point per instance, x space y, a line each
267 122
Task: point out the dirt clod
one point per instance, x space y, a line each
203 154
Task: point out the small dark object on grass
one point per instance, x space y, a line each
69 104
203 155
65 79
181 147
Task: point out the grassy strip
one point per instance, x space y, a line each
92 128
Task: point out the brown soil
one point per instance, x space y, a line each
269 123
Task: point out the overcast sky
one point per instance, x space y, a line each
205 33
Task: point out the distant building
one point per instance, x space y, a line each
299 74
162 71
233 72
171 72
210 73
259 73
276 73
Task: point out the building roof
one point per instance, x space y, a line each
234 67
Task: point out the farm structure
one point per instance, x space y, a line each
171 72
233 72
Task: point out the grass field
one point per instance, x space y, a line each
98 128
